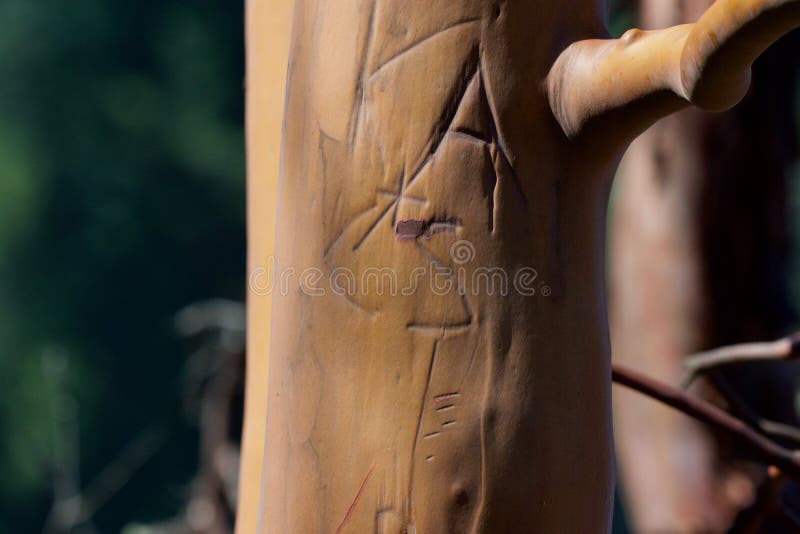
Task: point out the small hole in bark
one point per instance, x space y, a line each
461 498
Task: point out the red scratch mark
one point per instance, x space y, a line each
355 501
446 397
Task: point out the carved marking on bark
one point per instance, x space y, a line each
445 123
409 230
497 132
491 153
446 397
360 92
439 329
421 42
376 222
437 137
469 135
368 186
442 328
357 498
408 198
419 424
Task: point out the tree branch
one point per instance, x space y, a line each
618 88
759 447
783 349
786 435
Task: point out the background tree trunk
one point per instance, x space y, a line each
268 30
699 259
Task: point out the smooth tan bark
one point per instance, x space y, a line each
268 34
435 136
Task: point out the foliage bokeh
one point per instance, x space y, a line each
121 201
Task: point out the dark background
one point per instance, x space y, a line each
122 183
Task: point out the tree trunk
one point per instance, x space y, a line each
416 142
439 353
269 25
698 260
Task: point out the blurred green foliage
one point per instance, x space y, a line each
121 201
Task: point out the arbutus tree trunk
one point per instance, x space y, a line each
699 250
269 24
463 140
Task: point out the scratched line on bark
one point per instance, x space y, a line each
421 42
419 422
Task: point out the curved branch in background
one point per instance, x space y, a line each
783 349
786 435
759 447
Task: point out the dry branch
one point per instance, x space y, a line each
759 447
783 349
786 435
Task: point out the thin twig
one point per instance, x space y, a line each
784 434
760 447
783 349
780 431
